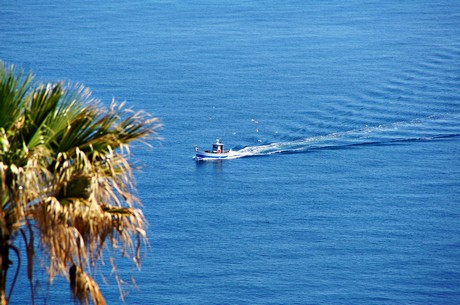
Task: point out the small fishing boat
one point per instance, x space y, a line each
217 152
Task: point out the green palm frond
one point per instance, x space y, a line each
38 114
13 88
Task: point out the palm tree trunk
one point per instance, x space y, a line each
4 265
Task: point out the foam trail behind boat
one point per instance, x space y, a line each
429 128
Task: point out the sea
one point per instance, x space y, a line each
345 120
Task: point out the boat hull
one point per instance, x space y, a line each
211 155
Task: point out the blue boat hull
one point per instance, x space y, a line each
213 156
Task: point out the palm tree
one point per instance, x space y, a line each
65 181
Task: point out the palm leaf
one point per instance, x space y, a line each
13 88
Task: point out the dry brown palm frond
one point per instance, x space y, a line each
83 286
78 218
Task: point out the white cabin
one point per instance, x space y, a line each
218 147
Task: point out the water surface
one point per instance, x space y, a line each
345 117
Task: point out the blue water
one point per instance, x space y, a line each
346 119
